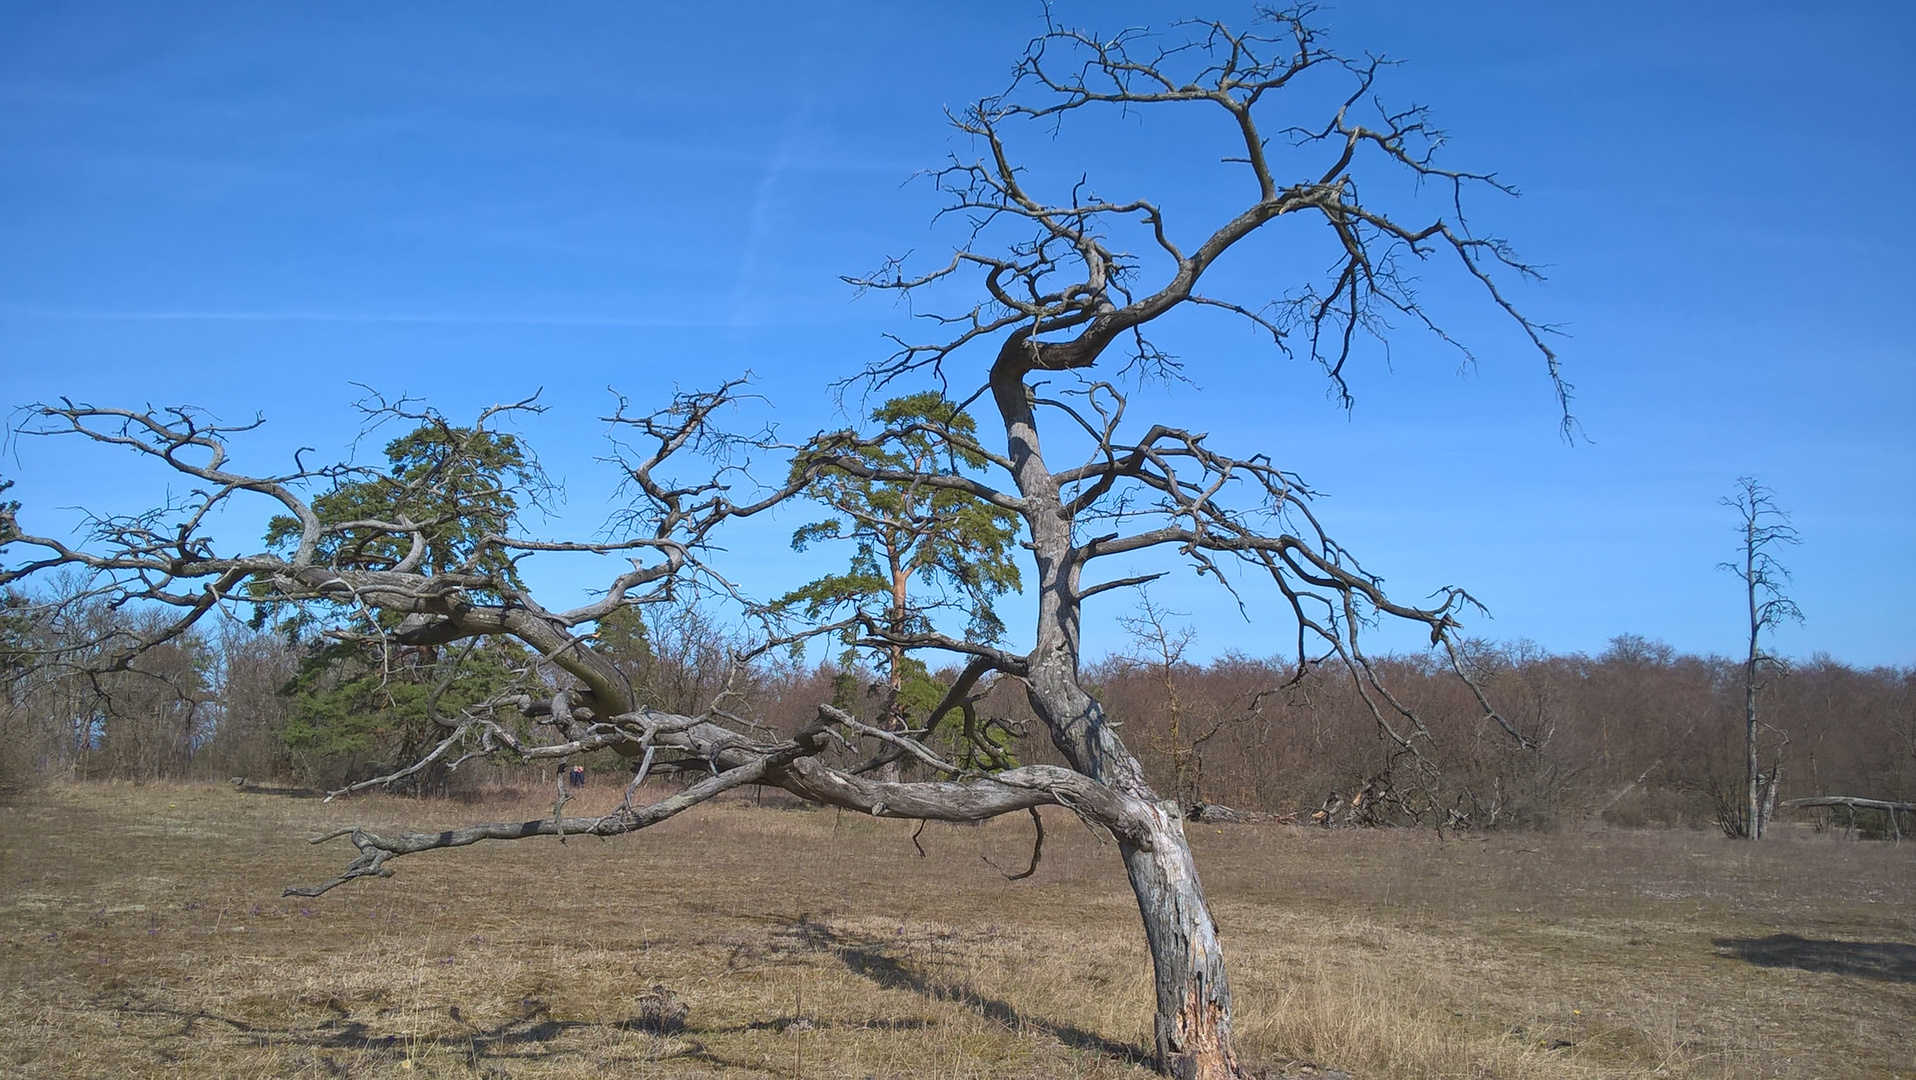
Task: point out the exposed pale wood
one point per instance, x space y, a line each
1851 801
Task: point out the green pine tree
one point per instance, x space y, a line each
918 549
359 702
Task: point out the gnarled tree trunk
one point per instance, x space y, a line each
1193 996
1193 1026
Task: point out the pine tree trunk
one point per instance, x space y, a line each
1193 1026
1769 795
1193 1029
1755 810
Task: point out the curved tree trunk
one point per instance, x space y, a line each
1194 998
1193 1026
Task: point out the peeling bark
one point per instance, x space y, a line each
1193 1028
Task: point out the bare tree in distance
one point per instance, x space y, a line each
1762 527
1063 315
1159 648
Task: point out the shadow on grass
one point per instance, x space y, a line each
342 1043
868 957
1885 960
533 1035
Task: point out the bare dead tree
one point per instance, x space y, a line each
1062 307
1763 526
1160 650
1062 302
164 561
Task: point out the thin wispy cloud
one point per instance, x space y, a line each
793 143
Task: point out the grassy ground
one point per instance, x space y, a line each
142 934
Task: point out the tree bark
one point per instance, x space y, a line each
1193 1027
1769 795
1754 778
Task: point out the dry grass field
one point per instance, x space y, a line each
142 934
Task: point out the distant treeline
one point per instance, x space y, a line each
1636 735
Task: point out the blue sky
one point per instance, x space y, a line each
254 207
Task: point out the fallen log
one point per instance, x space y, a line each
1851 801
1854 803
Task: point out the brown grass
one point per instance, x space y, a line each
143 935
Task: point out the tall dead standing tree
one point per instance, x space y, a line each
1762 526
1064 312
